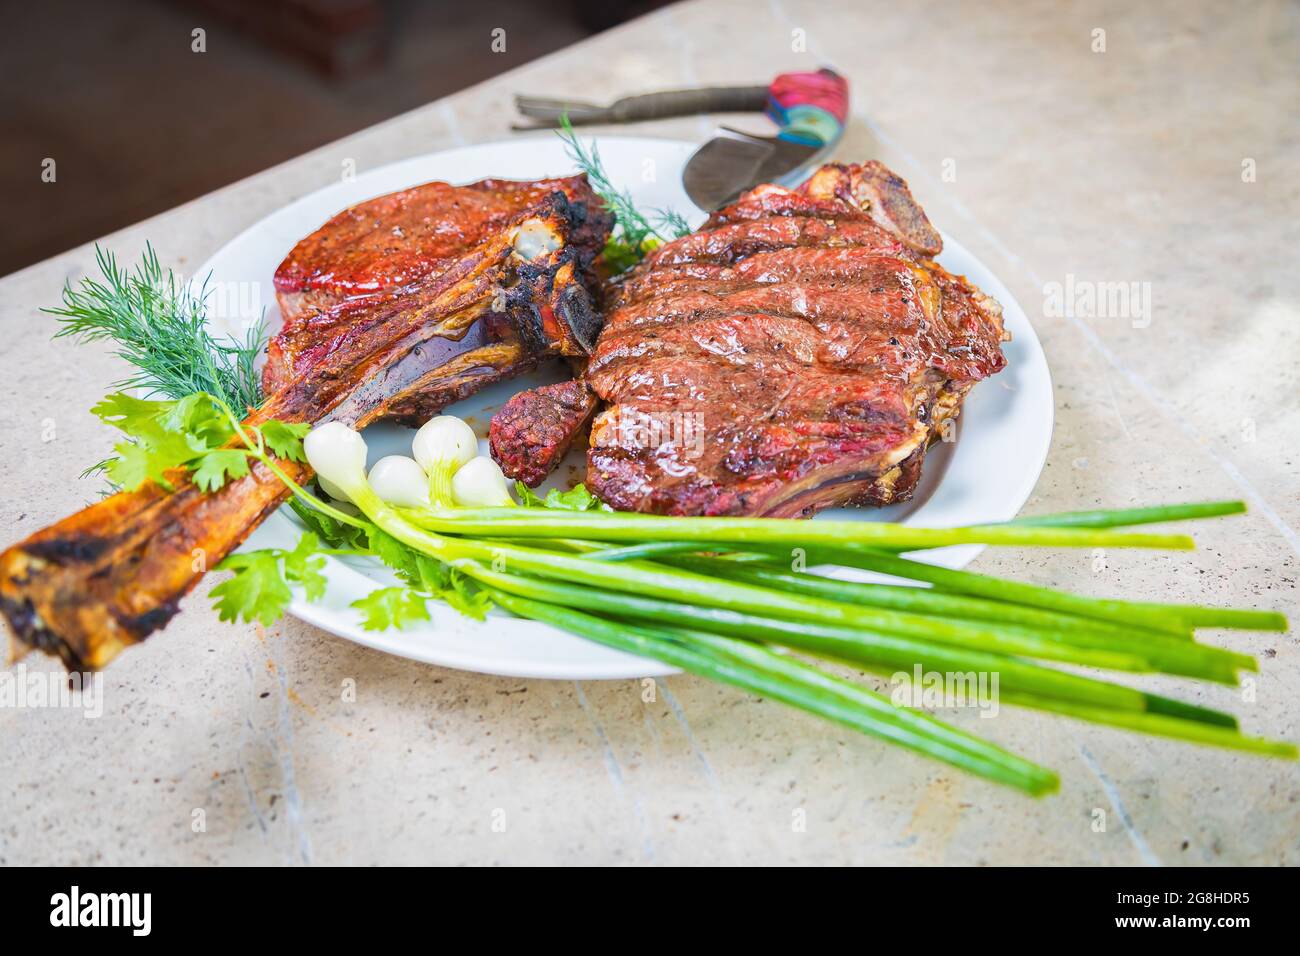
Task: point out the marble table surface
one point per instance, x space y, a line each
1101 142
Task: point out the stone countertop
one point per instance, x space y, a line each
1169 159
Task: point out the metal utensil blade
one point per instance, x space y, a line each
733 162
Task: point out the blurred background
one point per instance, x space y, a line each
138 120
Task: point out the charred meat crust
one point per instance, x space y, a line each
534 430
108 576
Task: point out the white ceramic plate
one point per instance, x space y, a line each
986 475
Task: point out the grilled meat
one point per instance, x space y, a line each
800 351
330 282
538 427
492 283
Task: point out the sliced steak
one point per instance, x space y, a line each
800 351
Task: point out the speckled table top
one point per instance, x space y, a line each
1163 151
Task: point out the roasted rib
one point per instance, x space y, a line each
800 351
368 335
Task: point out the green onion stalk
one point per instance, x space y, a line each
708 595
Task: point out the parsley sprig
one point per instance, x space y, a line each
199 432
261 587
259 590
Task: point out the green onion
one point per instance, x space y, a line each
845 644
1139 712
1126 517
901 597
1174 618
620 526
1166 653
659 581
633 552
762 672
853 646
1163 726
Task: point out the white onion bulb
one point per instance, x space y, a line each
333 490
479 483
445 441
400 481
338 454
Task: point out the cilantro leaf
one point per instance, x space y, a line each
130 468
475 605
303 566
432 576
527 497
151 456
197 416
257 592
164 436
577 498
285 439
391 607
465 598
216 466
394 554
128 412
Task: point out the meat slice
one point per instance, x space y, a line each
510 295
800 351
537 428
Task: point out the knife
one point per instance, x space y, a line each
809 107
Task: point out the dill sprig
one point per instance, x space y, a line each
159 327
635 233
674 222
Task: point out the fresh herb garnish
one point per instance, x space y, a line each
635 234
577 498
198 432
259 590
159 327
392 607
285 438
